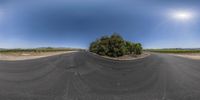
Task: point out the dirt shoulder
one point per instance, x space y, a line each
195 56
29 55
129 57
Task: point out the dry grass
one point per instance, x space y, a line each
195 56
12 56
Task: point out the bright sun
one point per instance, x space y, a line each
182 15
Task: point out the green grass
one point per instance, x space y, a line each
37 50
173 50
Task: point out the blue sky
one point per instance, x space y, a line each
75 23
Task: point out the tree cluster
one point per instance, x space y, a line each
114 46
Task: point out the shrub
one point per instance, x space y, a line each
137 48
114 46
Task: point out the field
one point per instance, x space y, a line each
174 50
23 54
36 50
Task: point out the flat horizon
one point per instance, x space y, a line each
75 24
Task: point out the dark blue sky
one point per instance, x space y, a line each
75 23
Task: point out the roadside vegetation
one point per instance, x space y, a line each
36 50
115 46
174 50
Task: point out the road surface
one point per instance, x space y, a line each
84 76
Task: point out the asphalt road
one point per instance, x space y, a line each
84 76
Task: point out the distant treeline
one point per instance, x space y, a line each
174 50
48 49
114 46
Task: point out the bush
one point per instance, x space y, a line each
137 48
114 46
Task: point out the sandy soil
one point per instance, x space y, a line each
129 57
195 56
31 55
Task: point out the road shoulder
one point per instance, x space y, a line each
27 56
195 56
126 57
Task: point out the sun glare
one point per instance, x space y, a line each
182 15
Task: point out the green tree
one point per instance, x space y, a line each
94 46
137 48
129 47
114 46
103 45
